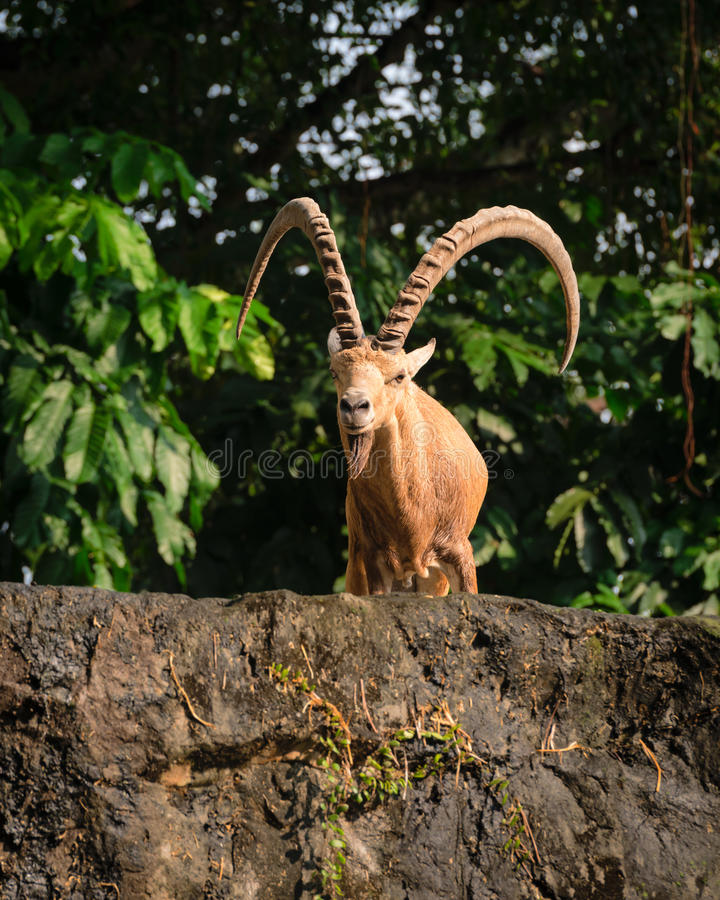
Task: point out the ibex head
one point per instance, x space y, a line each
372 373
370 383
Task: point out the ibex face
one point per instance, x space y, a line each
410 514
371 382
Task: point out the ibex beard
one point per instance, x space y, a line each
416 481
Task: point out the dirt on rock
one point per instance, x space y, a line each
159 746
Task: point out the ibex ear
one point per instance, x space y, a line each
417 358
334 345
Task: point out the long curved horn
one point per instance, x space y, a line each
306 214
485 225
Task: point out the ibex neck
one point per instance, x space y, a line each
399 445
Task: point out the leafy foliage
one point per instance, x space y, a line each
93 445
399 119
429 751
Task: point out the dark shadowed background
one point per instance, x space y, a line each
192 123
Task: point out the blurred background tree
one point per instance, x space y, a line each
118 371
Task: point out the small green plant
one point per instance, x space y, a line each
428 750
515 822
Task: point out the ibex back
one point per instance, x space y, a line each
416 481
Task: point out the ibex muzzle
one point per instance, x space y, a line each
355 410
416 480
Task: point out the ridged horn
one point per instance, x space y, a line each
306 214
464 236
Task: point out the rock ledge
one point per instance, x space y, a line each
113 786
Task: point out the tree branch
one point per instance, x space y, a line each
281 145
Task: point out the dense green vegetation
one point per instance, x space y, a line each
121 270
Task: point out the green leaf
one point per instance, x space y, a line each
127 169
120 468
188 184
96 142
519 368
159 171
565 505
123 244
85 441
557 556
593 211
548 282
194 306
652 599
479 355
497 425
484 545
706 349
58 151
608 600
256 357
158 312
105 325
671 542
615 539
228 301
44 430
6 248
139 431
580 529
673 326
632 517
103 545
674 295
626 284
708 607
206 476
591 285
205 326
172 459
205 479
14 112
572 209
50 222
101 538
502 522
11 210
618 403
710 563
258 310
86 367
174 538
58 532
524 351
23 392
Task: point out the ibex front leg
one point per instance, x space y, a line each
363 575
459 566
356 577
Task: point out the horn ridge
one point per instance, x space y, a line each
467 234
304 213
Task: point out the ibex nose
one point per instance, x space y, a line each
356 410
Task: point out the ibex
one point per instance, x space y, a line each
416 480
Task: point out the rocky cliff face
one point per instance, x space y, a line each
161 746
